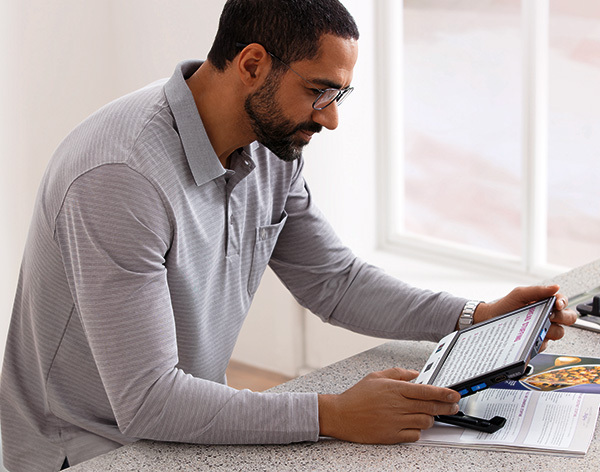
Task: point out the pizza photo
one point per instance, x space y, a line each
564 377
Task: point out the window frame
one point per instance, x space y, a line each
534 155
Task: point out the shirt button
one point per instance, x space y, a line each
263 234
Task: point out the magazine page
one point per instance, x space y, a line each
537 421
559 374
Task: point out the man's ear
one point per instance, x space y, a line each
253 64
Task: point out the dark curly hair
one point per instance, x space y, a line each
290 29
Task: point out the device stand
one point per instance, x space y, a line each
590 311
472 422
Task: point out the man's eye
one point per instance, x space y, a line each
315 91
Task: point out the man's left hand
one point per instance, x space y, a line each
522 296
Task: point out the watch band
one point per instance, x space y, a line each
466 317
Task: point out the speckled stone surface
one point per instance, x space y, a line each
333 455
579 280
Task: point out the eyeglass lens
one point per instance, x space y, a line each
328 96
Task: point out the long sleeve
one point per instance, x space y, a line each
114 233
139 270
328 279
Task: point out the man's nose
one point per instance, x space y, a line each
327 117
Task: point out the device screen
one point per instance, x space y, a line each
489 346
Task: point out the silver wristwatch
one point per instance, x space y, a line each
466 317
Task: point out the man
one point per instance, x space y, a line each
154 223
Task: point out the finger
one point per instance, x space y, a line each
564 317
555 332
561 302
429 393
412 432
397 373
408 436
415 421
396 436
430 408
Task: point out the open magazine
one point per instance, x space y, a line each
552 410
549 373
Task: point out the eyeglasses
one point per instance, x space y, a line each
326 96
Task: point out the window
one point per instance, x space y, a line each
491 134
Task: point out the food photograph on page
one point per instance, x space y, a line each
550 372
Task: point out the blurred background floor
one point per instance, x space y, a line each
240 376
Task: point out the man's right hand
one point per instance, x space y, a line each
384 408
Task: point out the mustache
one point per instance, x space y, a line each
311 127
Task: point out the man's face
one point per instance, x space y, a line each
271 126
280 111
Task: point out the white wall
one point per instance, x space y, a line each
63 59
41 64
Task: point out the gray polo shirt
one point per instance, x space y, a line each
143 256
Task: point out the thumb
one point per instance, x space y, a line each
397 373
517 298
528 295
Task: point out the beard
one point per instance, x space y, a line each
272 129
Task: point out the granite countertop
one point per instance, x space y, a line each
334 455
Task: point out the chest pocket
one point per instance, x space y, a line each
264 243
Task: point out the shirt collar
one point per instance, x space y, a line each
201 157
